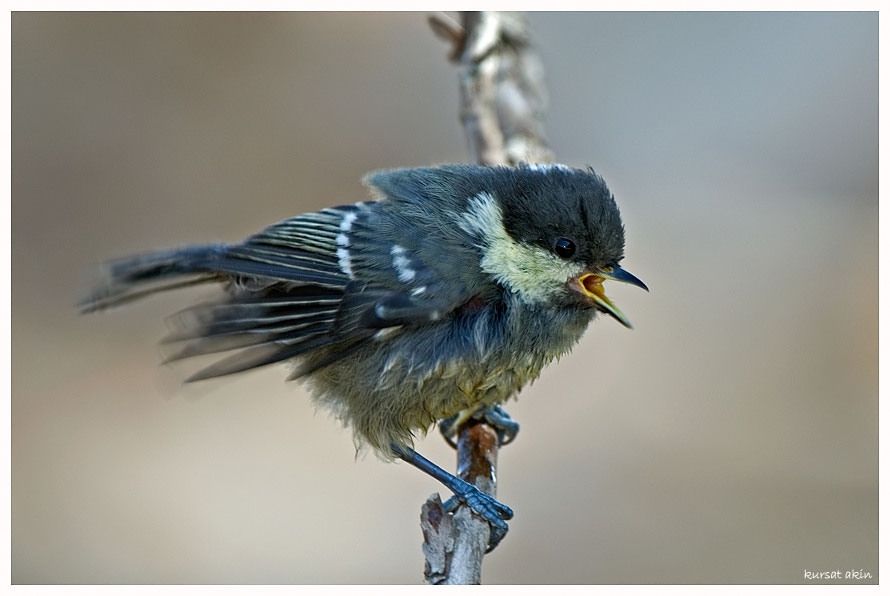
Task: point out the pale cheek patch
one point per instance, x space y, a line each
536 275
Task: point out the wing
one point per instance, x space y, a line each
330 279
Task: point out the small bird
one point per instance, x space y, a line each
444 296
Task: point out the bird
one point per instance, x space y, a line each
444 295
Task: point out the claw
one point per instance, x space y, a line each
448 429
498 418
486 506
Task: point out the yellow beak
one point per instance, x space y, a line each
591 285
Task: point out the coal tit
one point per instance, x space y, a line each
447 293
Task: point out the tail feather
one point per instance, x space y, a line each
207 320
257 356
280 303
135 277
202 346
112 297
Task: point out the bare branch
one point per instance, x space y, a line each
455 545
503 97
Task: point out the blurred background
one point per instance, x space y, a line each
731 437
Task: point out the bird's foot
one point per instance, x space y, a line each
484 505
495 416
481 503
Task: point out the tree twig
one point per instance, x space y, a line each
503 100
503 96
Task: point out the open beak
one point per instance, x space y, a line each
590 284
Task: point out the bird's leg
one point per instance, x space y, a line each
492 510
495 416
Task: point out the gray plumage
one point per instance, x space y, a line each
449 292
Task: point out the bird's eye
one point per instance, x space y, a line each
564 247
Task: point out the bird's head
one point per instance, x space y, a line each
550 234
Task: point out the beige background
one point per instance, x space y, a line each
730 437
